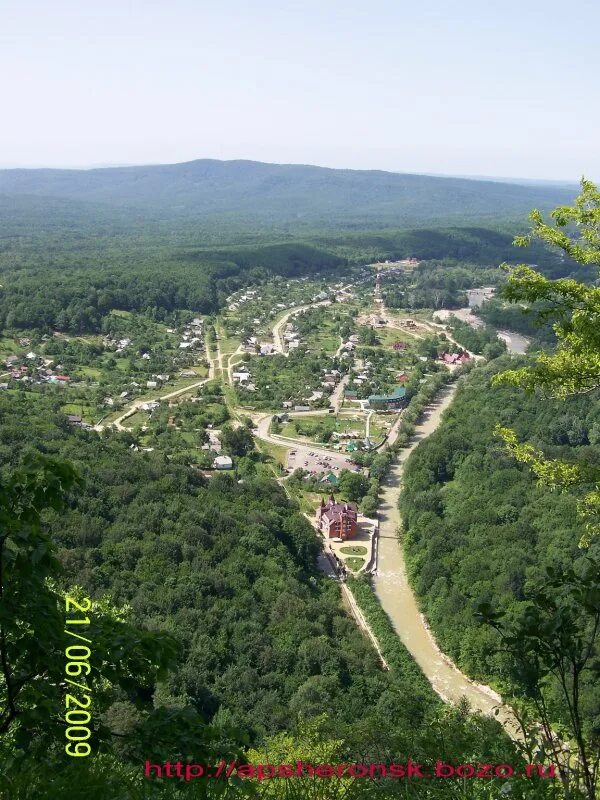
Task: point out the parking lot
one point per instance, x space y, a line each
317 461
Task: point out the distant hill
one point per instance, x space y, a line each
288 195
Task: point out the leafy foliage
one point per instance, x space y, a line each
479 529
574 366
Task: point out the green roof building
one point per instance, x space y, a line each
385 402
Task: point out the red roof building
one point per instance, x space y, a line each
455 358
337 520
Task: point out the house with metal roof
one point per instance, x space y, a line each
387 402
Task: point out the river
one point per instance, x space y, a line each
397 599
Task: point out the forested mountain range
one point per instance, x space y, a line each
291 195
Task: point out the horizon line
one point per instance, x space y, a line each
131 165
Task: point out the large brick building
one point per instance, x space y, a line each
337 520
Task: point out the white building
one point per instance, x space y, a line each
223 462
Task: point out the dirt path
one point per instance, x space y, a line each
137 404
398 601
337 396
278 343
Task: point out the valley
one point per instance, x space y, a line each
262 486
321 434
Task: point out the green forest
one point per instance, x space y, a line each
224 571
479 529
213 632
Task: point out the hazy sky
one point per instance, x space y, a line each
507 88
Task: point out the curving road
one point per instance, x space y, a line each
137 404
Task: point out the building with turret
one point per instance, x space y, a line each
337 520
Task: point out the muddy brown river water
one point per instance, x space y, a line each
398 600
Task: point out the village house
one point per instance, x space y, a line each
331 479
214 441
223 462
337 520
455 359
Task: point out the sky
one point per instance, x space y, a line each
467 87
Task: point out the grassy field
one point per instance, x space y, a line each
308 501
325 422
354 550
388 336
354 563
275 451
229 344
86 411
325 340
90 372
139 418
9 347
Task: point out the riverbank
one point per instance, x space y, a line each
393 591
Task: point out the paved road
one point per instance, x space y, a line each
397 598
335 462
